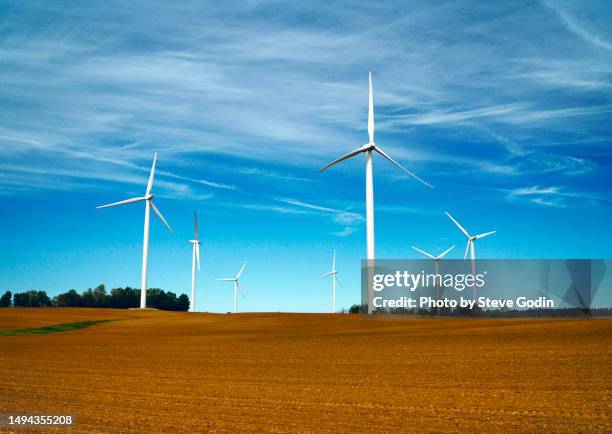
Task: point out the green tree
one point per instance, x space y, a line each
183 302
100 296
31 299
5 300
21 299
88 299
160 299
358 308
68 299
123 298
42 299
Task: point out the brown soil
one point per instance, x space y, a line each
158 371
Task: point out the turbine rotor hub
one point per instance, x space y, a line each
369 146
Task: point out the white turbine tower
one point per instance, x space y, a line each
334 274
470 246
368 149
436 264
236 286
195 257
148 199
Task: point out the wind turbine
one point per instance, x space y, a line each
470 247
436 264
236 286
368 148
195 256
148 199
334 274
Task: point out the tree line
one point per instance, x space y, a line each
119 298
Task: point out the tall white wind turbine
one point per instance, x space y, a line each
368 148
470 246
436 264
148 199
334 274
236 286
195 243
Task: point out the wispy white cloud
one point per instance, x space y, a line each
554 196
572 25
60 178
555 114
274 208
271 174
248 86
339 216
345 232
197 181
347 219
458 116
547 196
590 75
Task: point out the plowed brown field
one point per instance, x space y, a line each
180 372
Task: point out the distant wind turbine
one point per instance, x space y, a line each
471 239
368 149
436 264
470 246
195 256
148 199
334 274
236 286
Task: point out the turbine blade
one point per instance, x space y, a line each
195 217
486 234
441 255
467 248
458 225
370 110
339 283
240 289
161 217
326 274
197 252
123 202
423 252
334 261
226 279
241 270
384 154
150 184
344 157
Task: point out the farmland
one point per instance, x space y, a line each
154 371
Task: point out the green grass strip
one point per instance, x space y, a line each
55 328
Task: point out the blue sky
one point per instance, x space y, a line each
503 106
